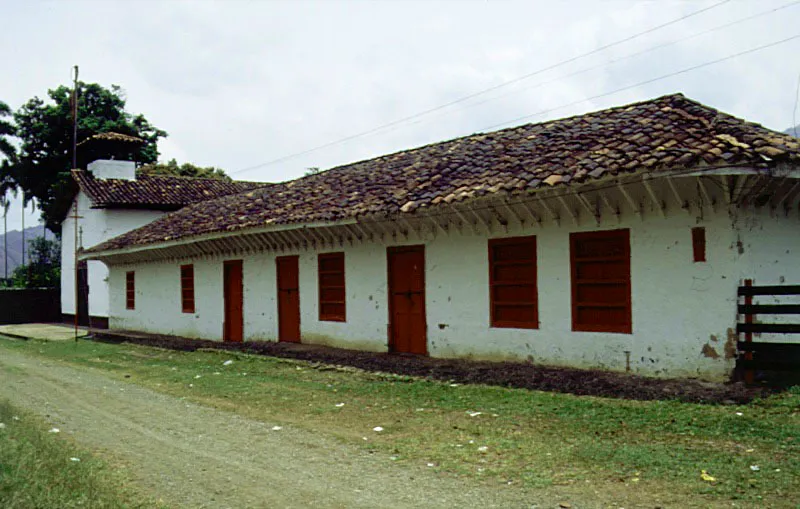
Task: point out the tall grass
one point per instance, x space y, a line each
40 470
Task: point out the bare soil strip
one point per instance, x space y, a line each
582 382
194 456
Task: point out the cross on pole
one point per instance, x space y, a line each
75 217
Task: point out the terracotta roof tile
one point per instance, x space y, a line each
113 137
668 133
156 191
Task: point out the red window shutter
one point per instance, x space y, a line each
601 281
513 298
187 288
130 290
699 244
332 297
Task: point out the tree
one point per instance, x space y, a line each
6 130
171 167
8 154
42 166
44 269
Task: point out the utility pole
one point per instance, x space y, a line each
5 237
75 215
23 228
5 242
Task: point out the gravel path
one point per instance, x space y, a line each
194 456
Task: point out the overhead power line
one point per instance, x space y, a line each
490 89
645 82
616 60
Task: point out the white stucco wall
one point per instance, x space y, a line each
113 169
683 312
94 226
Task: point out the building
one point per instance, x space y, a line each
614 240
112 199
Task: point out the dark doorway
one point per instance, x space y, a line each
407 322
233 326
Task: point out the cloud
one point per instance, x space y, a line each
241 83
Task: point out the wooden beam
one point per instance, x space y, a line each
556 218
363 230
614 209
588 206
513 213
464 219
569 210
481 220
354 234
791 191
726 188
301 240
438 225
684 204
706 196
631 202
531 212
410 226
738 186
659 203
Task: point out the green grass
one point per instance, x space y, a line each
605 449
37 470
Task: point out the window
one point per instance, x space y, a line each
187 288
130 290
331 287
699 244
601 281
513 300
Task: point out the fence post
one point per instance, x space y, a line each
748 336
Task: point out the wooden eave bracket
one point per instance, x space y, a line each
553 215
571 213
592 210
464 220
684 204
637 209
660 204
786 197
706 196
613 208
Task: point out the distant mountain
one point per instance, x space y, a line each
15 246
794 131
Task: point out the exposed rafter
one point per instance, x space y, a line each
637 209
658 203
571 213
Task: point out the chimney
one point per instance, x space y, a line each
110 169
110 155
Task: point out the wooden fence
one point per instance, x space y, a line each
30 305
761 359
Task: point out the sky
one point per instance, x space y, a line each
239 84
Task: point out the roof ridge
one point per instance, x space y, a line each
188 177
184 177
662 135
674 95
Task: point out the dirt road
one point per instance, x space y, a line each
194 456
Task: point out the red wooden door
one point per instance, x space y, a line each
288 299
407 323
233 297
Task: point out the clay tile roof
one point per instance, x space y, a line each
113 137
156 192
669 133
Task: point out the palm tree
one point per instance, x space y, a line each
6 129
5 204
8 154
